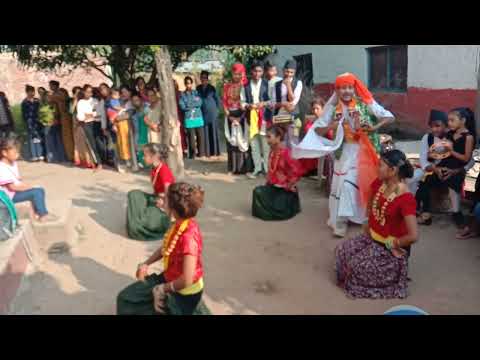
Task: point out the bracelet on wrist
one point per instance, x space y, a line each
389 244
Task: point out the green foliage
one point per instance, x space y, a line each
245 54
20 128
125 61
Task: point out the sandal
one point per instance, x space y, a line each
424 219
466 234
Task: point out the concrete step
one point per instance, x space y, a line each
52 234
31 245
16 254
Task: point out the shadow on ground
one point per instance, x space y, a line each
94 292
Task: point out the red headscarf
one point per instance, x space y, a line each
238 67
360 88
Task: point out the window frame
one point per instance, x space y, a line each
310 56
388 49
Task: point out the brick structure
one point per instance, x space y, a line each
14 77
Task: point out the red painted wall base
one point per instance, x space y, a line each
414 106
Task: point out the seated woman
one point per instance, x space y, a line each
146 216
178 290
374 264
278 199
15 188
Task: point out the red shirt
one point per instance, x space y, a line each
160 176
190 243
403 205
283 170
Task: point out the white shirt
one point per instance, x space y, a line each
271 87
374 108
424 163
297 93
9 175
255 86
85 107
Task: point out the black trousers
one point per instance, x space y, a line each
196 142
90 129
433 182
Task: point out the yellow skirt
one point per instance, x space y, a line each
122 140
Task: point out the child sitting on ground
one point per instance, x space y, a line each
147 218
178 290
16 189
454 154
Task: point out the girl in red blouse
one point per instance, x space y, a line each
178 290
278 199
374 264
146 215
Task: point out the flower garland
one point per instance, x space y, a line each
379 214
170 241
275 159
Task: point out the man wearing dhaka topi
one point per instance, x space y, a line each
355 117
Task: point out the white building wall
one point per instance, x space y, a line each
328 60
443 66
429 66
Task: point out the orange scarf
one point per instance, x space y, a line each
368 160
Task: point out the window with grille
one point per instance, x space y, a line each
305 69
388 68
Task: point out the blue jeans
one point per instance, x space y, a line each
476 213
54 144
36 196
36 145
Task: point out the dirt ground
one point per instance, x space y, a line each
252 267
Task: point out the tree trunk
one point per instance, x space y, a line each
169 127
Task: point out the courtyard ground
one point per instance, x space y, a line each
252 267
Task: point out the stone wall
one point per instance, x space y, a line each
14 77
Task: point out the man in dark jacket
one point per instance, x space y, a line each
254 99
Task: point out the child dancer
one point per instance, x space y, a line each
278 199
146 215
178 289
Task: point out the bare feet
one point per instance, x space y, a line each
98 168
466 233
47 218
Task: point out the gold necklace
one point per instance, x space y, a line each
171 238
379 214
274 161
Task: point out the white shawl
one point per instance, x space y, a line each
236 137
